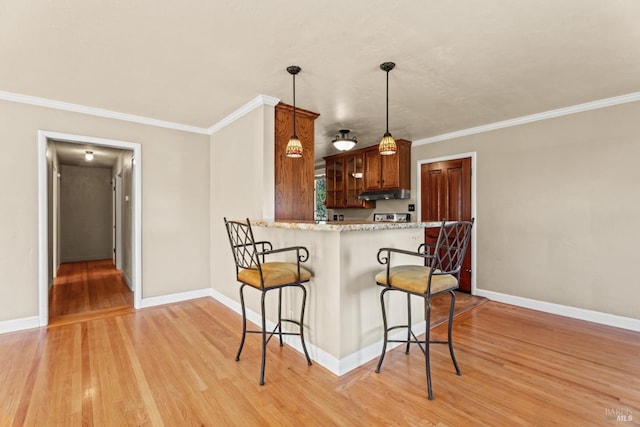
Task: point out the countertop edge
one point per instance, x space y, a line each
332 226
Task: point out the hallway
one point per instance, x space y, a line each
88 290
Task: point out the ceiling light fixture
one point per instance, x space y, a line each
344 142
387 145
294 146
88 156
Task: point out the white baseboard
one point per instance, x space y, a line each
337 366
372 351
15 325
177 297
127 280
564 310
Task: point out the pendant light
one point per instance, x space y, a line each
344 142
294 146
387 145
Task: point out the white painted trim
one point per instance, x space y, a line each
564 310
99 112
602 103
335 365
268 100
136 244
474 204
256 102
15 325
43 232
173 298
43 289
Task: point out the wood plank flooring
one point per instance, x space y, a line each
86 290
174 365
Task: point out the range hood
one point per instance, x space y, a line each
385 195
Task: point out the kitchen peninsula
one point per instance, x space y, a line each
343 317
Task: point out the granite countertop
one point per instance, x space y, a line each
343 225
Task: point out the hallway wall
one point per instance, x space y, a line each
175 202
85 204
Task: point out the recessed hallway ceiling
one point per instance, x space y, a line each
460 64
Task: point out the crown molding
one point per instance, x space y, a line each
594 105
256 102
99 112
260 100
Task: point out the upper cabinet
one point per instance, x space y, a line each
345 181
388 172
351 173
335 182
294 196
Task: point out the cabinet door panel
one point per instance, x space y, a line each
390 171
335 183
354 168
372 170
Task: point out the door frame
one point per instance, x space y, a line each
43 247
117 234
474 211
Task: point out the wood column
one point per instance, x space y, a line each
294 197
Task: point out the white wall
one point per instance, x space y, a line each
175 202
242 186
557 208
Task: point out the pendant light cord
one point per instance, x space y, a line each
387 101
294 106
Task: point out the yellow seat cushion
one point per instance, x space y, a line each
274 274
413 278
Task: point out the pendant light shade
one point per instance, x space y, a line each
344 142
294 146
387 145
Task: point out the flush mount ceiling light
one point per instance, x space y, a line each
294 146
343 142
88 156
387 145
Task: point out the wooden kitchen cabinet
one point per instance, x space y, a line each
335 182
345 181
388 172
294 193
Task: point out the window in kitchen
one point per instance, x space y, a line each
320 190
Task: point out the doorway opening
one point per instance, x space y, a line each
89 241
425 206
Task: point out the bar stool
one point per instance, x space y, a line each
439 274
253 271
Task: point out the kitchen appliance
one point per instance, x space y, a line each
385 194
392 217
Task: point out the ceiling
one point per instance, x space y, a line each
70 153
460 64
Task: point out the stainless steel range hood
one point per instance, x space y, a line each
385 195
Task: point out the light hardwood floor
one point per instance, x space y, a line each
86 290
174 365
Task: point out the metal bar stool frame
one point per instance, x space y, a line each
250 256
440 260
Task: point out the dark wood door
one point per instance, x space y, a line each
445 192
